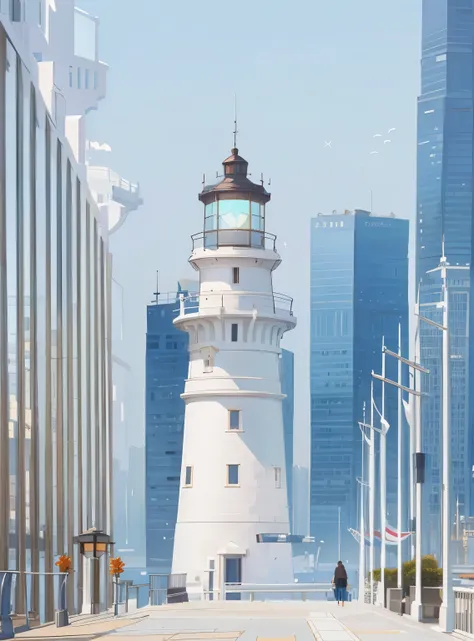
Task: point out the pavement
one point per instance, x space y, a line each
245 621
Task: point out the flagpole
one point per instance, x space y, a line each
362 524
371 491
383 482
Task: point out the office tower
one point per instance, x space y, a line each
233 480
117 198
359 295
167 362
64 39
445 210
55 374
287 373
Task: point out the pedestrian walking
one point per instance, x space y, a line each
340 583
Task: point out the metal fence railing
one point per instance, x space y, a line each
22 601
464 610
212 302
272 592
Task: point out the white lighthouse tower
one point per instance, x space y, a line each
233 477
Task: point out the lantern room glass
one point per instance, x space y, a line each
234 214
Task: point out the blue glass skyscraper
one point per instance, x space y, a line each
167 362
444 210
359 295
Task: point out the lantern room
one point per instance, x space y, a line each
234 209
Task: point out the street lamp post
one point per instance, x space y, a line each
446 614
361 543
361 517
362 484
371 443
417 395
93 545
447 608
414 423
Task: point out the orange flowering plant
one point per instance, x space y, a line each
64 563
116 566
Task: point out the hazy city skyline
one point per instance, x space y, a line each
299 83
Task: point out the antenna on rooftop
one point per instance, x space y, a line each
157 293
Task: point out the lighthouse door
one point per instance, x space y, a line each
233 575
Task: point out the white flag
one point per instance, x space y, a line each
408 407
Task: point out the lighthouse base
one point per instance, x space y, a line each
219 554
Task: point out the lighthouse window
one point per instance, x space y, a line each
234 420
210 216
234 332
233 474
188 476
277 471
258 222
235 275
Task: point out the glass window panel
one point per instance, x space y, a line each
85 358
11 248
233 474
234 419
255 209
258 220
76 204
188 480
234 214
26 247
59 353
210 216
94 365
85 28
41 299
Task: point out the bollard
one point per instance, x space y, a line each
61 616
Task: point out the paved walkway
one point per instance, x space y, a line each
245 621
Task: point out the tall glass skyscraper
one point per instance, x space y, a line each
445 209
55 356
359 296
167 362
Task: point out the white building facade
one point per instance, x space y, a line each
55 373
233 478
57 399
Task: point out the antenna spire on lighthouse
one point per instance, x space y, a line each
236 131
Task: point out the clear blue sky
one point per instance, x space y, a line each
305 72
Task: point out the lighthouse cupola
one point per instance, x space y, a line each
234 208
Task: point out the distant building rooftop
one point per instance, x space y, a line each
356 212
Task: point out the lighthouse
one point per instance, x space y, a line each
233 476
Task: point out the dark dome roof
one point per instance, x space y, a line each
236 181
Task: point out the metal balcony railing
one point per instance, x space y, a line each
213 239
214 302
